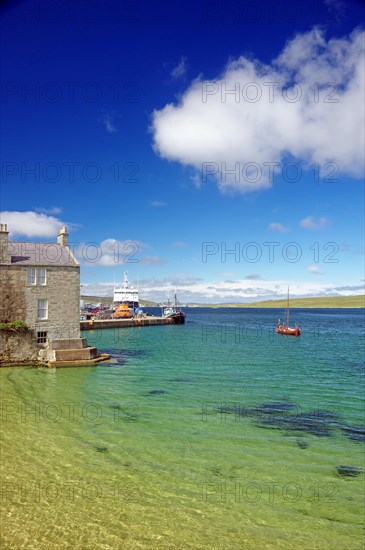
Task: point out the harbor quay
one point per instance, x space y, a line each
126 323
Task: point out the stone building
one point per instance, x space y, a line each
40 285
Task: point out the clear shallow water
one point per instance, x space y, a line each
217 434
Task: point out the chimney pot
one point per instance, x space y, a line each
5 256
62 238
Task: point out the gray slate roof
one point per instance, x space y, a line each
48 254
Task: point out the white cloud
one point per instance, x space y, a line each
314 269
54 210
226 273
348 248
253 277
278 227
108 253
97 289
33 224
311 222
180 69
152 260
109 124
231 130
113 253
195 290
336 8
158 204
197 180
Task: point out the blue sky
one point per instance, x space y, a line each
174 133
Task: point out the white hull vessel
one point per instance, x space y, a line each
126 294
174 312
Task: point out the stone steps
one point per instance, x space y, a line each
80 362
68 343
75 354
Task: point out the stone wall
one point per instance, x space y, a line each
12 294
18 348
20 302
63 294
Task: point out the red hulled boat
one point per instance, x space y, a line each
285 329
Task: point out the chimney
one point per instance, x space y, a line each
62 238
5 257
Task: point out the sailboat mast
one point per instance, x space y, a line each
287 310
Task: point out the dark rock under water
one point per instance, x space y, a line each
356 433
284 415
127 412
319 423
100 449
270 408
120 357
275 407
348 471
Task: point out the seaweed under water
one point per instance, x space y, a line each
285 415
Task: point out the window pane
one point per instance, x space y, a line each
42 309
41 337
31 276
41 276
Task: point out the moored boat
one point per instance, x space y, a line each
285 329
122 311
126 294
174 312
288 331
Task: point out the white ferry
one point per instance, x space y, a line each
126 294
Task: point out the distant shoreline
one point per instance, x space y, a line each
329 302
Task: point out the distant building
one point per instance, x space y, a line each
40 285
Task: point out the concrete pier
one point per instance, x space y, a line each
125 323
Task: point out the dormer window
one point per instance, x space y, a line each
36 276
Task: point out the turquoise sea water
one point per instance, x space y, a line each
217 434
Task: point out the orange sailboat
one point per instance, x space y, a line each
285 329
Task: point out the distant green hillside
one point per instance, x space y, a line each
323 302
97 299
328 301
147 303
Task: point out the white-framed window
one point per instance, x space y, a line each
41 276
36 276
31 276
43 309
